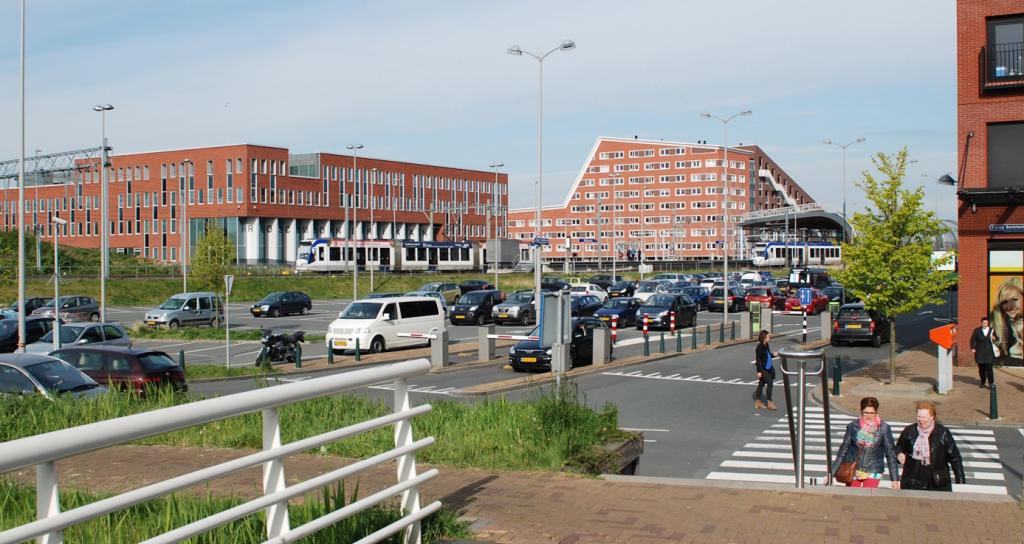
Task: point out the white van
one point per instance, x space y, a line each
376 322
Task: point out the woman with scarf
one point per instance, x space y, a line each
927 451
868 443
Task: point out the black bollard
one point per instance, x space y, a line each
721 333
661 346
693 338
679 341
357 349
298 355
181 360
837 373
330 356
993 402
732 335
707 335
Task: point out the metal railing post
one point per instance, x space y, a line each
273 475
47 500
407 462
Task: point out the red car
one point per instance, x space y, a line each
769 297
819 303
121 367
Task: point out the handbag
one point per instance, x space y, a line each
940 478
995 351
847 469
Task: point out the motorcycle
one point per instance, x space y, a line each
280 348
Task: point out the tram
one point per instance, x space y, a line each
808 253
326 255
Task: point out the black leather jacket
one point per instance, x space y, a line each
874 458
944 455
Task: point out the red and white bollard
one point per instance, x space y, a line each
646 321
615 327
672 322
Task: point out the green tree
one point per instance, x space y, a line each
889 262
214 257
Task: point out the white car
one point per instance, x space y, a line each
648 288
375 324
589 289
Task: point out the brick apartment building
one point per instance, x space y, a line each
266 198
664 199
990 145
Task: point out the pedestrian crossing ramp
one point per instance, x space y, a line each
769 457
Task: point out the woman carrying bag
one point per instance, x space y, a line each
927 451
765 368
866 450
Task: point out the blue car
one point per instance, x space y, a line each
698 294
624 308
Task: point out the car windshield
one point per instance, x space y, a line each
621 285
692 291
618 303
157 361
521 298
63 301
661 300
853 313
59 376
173 303
431 287
579 288
272 297
68 334
759 292
648 286
475 297
361 310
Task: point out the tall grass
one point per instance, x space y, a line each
139 522
552 431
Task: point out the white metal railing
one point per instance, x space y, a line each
790 210
767 174
42 451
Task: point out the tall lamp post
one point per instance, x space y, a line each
828 141
104 210
57 224
373 228
566 45
184 231
354 148
494 207
947 179
725 206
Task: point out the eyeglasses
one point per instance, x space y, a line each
868 413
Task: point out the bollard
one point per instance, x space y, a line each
805 327
672 322
330 355
298 355
485 345
732 333
646 321
661 344
693 338
837 375
181 359
602 346
707 335
647 339
993 402
615 329
439 349
357 349
679 343
721 333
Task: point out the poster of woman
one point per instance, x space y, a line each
1007 317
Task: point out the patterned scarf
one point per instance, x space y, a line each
922 450
868 429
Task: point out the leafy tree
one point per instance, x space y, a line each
214 257
889 263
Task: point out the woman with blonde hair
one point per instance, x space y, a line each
928 451
1008 319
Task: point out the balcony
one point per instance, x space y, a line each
1002 66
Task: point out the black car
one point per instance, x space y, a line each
35 328
658 310
737 299
623 309
837 293
282 303
604 280
474 285
528 355
475 307
622 289
553 284
31 304
855 323
585 305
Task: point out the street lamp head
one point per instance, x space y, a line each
497 165
705 115
515 50
827 141
745 113
567 45
102 107
860 140
947 179
354 146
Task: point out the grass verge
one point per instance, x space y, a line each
143 521
139 330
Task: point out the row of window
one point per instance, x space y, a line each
640 153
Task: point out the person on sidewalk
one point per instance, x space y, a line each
982 341
868 442
765 367
927 451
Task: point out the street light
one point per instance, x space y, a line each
515 50
494 207
828 141
104 210
373 228
58 223
354 148
725 206
183 232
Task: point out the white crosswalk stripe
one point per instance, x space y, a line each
694 378
427 389
769 456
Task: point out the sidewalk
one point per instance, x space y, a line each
518 507
916 371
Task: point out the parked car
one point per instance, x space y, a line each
624 308
432 294
72 308
528 355
769 297
604 280
837 293
553 284
678 286
658 310
182 309
855 323
282 302
717 300
818 304
375 323
585 305
450 291
475 307
31 304
125 368
112 334
32 373
708 282
519 307
589 289
671 276
782 286
650 287
622 289
35 328
474 285
698 294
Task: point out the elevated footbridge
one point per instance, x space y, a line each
813 216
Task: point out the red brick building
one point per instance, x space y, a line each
990 145
266 198
662 198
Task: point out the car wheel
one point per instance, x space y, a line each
834 342
304 311
94 317
480 320
215 322
876 341
275 312
377 344
173 325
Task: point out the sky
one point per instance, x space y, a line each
431 82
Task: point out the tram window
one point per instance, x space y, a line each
335 253
320 253
442 254
410 253
421 254
465 254
373 254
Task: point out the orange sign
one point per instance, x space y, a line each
944 336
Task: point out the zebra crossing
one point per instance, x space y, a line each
685 377
426 389
769 457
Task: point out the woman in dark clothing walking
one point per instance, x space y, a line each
868 442
927 451
763 361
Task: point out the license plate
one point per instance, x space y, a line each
719 301
605 318
503 316
256 311
528 360
152 323
853 326
340 343
460 317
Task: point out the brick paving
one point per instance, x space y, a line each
521 507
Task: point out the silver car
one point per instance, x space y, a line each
30 373
184 309
110 334
518 307
73 308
